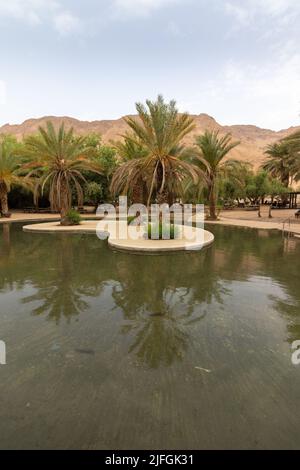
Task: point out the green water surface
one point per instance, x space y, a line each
108 350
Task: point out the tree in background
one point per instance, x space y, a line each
276 189
278 162
160 130
293 143
12 171
209 155
283 159
93 193
257 187
130 149
59 159
105 157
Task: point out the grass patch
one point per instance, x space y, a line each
163 231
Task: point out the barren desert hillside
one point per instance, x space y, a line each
253 139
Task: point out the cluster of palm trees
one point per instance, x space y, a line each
158 168
52 159
152 164
283 159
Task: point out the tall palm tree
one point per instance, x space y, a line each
128 150
11 171
59 158
293 143
160 129
278 162
209 154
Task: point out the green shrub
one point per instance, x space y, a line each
73 217
130 219
165 231
93 192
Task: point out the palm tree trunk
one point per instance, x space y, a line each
162 198
212 202
137 193
162 193
64 202
3 199
145 193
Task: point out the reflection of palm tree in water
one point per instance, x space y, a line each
63 289
160 306
159 339
5 242
271 257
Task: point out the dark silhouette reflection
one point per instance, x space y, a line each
67 282
159 340
56 268
267 254
162 298
160 332
59 290
5 242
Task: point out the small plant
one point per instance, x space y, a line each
130 219
73 217
162 231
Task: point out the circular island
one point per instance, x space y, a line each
190 239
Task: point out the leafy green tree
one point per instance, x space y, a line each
257 186
93 193
233 186
105 157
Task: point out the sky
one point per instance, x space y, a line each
236 60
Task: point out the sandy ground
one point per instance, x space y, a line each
280 219
239 218
19 216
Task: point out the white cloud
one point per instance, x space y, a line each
245 94
66 23
247 11
36 12
27 10
2 92
141 7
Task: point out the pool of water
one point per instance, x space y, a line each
109 350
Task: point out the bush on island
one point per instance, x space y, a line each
72 218
162 231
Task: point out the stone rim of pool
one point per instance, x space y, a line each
202 238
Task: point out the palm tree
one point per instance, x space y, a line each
59 158
159 129
211 150
11 171
278 162
293 143
128 150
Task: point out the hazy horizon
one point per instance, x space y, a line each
234 60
